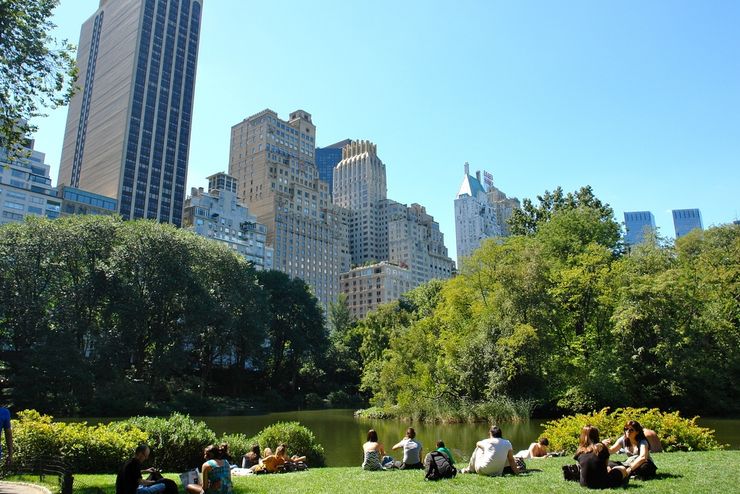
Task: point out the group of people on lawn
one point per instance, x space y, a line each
492 456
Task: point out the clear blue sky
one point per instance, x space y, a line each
639 99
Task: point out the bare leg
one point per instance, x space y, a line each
194 489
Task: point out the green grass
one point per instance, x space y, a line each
689 473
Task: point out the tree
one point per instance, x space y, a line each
36 71
530 218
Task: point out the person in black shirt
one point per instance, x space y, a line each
592 456
129 480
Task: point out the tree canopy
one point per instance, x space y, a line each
36 71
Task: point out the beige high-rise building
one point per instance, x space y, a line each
273 161
359 185
415 242
369 286
128 127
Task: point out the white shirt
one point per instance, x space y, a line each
494 457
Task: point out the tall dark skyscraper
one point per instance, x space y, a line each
128 127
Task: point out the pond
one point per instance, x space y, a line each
342 435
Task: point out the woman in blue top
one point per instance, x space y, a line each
216 472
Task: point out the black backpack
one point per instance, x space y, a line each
437 466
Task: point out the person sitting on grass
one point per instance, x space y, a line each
443 449
491 455
592 456
252 457
535 450
411 451
215 472
130 481
271 462
636 445
373 452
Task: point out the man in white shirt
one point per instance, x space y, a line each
491 456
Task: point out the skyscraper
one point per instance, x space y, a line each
685 220
481 211
128 127
273 160
327 158
638 224
360 186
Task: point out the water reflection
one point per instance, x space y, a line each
342 435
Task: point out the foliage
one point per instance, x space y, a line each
678 473
36 71
298 439
96 448
239 445
674 431
561 316
177 442
110 318
503 409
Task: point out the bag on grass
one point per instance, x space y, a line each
572 472
437 466
189 477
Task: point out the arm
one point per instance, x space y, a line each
512 462
641 460
206 469
381 450
613 448
399 445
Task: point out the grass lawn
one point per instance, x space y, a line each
691 473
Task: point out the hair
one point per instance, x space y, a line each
280 451
212 452
223 451
601 451
141 448
372 436
544 441
256 449
410 433
640 433
588 440
495 431
440 443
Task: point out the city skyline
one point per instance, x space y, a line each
539 108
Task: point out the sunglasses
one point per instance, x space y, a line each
629 429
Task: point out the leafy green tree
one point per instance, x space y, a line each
36 71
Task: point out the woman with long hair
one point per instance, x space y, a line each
592 457
637 447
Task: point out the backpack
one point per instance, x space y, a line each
437 466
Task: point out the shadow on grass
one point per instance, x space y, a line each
665 475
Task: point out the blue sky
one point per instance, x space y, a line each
639 99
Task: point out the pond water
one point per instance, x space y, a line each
342 435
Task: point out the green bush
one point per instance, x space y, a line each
98 448
299 440
177 442
313 401
502 409
675 432
239 445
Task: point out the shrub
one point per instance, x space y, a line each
239 444
88 449
313 401
177 442
675 432
299 440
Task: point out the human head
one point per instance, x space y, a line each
372 436
256 449
142 452
280 451
410 433
440 443
633 432
268 451
211 452
495 431
223 451
589 437
544 441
